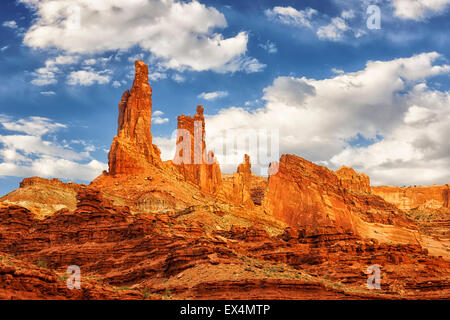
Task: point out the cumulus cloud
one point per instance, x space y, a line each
292 16
47 75
213 95
157 117
88 77
404 123
419 9
28 152
35 126
181 35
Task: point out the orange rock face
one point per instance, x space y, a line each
192 159
353 181
306 195
406 198
241 193
132 150
43 196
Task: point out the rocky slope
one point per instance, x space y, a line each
408 198
148 229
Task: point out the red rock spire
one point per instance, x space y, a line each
199 167
132 151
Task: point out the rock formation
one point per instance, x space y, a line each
43 196
304 194
312 198
132 151
407 198
180 229
242 183
353 181
148 255
192 159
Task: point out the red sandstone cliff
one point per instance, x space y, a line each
192 159
406 198
353 181
312 197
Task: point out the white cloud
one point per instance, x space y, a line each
270 47
292 16
157 117
90 62
244 63
35 126
387 103
30 154
213 95
182 35
337 71
10 24
4 48
178 78
334 30
319 23
167 146
116 84
139 56
348 14
48 93
419 9
87 77
47 75
44 76
155 76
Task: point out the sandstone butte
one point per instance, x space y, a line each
152 229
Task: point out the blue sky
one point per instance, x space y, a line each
338 92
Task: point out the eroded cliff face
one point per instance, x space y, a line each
44 196
407 198
315 199
189 256
236 188
132 151
192 159
352 181
304 194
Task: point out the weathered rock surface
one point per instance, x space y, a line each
407 198
162 256
43 196
132 151
192 159
302 193
352 181
21 280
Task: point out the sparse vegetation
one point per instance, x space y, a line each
42 264
167 294
145 293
